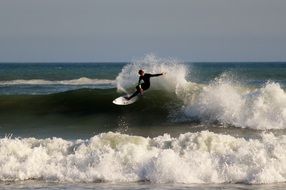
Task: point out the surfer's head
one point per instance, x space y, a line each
141 72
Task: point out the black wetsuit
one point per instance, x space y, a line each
146 78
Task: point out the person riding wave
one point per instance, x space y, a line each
141 87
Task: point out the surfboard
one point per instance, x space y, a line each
121 101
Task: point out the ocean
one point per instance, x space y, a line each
200 126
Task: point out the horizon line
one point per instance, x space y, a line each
108 62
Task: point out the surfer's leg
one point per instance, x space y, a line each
134 94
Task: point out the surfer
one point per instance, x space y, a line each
140 88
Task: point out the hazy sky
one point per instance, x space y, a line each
121 30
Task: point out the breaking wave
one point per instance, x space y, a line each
230 102
225 99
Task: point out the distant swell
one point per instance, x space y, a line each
80 81
202 157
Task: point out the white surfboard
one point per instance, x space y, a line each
122 100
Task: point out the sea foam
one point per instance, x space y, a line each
202 157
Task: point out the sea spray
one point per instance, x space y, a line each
202 157
176 73
229 102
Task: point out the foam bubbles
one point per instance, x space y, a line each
202 157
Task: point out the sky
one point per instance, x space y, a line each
121 30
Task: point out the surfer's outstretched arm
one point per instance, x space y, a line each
156 75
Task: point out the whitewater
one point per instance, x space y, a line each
202 157
201 124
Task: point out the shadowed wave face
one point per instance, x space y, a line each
82 102
86 110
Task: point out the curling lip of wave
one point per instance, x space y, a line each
80 81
